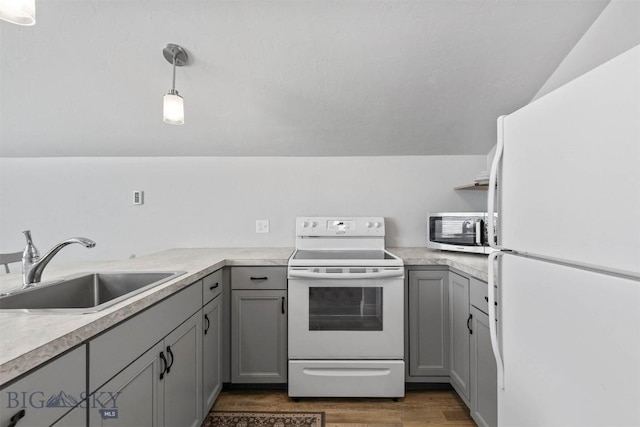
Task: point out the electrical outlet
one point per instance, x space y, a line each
262 225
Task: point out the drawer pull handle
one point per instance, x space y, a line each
282 305
170 354
487 300
163 365
208 323
259 278
468 324
17 417
214 286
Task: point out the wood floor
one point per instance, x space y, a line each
417 408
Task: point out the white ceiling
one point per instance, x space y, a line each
279 77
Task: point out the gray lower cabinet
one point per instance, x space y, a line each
183 377
483 381
259 337
484 401
428 325
448 339
133 397
460 323
160 388
211 355
47 394
158 368
258 325
148 369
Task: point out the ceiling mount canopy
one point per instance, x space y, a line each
21 12
173 104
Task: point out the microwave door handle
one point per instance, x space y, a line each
478 232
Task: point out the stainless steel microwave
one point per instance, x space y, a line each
458 231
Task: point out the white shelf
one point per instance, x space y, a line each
474 186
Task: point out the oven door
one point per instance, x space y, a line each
346 315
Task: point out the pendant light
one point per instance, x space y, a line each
173 104
21 12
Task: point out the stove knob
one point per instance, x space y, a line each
377 224
313 224
369 224
305 224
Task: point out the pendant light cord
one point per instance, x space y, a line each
174 71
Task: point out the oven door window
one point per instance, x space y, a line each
345 308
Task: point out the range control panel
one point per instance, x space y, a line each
339 226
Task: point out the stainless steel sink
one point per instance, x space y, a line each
85 292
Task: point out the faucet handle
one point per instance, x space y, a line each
30 250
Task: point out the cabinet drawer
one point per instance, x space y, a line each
259 278
336 378
479 295
211 286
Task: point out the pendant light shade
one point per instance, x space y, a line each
21 12
173 104
173 108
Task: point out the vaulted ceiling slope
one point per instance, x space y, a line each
279 77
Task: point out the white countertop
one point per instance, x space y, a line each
473 264
29 339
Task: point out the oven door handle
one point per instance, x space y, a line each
379 275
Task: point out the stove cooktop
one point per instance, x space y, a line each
305 257
342 254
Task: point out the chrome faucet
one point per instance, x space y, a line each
33 265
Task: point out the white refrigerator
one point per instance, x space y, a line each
566 271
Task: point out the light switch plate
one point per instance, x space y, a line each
262 225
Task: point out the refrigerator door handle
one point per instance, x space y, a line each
491 194
493 327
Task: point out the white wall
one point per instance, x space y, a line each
616 30
214 201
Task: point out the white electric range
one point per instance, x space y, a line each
346 310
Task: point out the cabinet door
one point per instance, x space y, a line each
460 321
428 305
211 378
75 418
133 397
484 388
46 394
259 336
183 377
